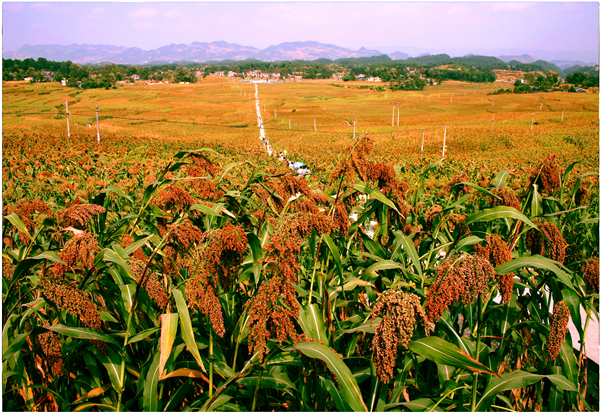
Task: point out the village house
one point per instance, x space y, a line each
221 74
336 77
231 74
198 73
135 77
28 79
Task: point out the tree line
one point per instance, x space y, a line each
410 74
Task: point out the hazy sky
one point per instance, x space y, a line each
386 26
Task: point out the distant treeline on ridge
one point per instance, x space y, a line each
410 74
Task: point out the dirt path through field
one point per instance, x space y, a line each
263 136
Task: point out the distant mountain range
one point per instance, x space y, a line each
217 51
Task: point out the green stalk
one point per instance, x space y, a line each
256 390
312 280
582 338
237 346
211 366
475 378
128 326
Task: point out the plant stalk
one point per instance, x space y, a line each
211 365
256 390
475 378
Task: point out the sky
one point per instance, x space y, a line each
453 27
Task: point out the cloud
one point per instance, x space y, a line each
510 6
14 7
144 12
459 9
41 6
144 24
96 12
174 13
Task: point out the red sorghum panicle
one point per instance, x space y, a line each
173 197
547 241
25 209
8 268
459 278
273 311
201 293
496 252
79 214
156 290
284 245
507 198
52 348
170 258
430 215
388 183
546 175
558 330
459 189
224 254
65 295
340 217
399 312
81 250
186 234
201 165
128 240
589 272
207 189
457 222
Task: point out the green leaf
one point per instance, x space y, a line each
112 256
346 381
184 153
23 266
204 209
186 327
335 393
274 382
499 212
421 404
501 178
479 188
334 253
14 346
112 362
516 380
349 285
538 262
81 333
150 395
409 248
315 323
168 330
536 203
16 221
376 194
441 351
143 335
127 294
117 191
131 248
383 265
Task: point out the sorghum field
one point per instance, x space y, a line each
175 265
